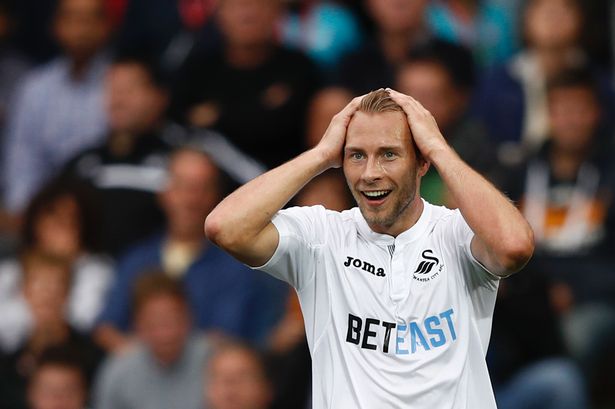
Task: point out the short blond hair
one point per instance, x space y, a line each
378 101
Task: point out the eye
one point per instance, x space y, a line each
356 156
389 155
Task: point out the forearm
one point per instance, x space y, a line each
246 212
505 240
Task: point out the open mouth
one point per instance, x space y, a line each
375 195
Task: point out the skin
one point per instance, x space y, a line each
57 228
163 324
379 156
236 381
82 29
57 387
134 103
503 241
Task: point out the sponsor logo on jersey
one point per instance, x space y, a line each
433 332
429 267
365 266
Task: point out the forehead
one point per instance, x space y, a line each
373 131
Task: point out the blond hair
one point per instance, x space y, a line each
378 101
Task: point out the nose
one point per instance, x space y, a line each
372 171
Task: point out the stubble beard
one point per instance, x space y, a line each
404 199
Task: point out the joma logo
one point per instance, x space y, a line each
365 266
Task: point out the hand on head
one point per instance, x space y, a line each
332 142
425 131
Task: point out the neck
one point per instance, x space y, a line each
396 44
247 56
407 219
121 143
187 239
49 334
565 163
553 60
79 66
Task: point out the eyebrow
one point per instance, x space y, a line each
382 148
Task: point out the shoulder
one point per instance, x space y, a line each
121 368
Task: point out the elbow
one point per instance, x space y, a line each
213 228
517 252
220 232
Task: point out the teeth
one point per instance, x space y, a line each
376 193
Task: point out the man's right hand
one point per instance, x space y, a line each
331 145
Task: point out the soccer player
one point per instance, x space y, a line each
397 294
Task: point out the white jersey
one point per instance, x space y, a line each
391 322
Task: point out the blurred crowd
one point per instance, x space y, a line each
124 122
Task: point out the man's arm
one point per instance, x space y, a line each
241 223
503 240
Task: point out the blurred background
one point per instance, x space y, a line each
124 122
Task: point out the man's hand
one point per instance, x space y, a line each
331 145
425 131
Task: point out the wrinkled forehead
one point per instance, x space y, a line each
370 131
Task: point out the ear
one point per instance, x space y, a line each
423 166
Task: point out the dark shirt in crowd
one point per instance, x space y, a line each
126 187
261 110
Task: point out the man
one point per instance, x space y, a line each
165 369
224 294
398 294
59 381
128 169
253 78
58 108
237 379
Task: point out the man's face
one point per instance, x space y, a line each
552 23
236 381
382 169
248 22
163 324
57 387
397 15
81 27
193 190
134 103
431 85
45 289
574 114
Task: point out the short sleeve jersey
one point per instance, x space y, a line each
391 322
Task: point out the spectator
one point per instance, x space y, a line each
58 382
254 92
61 221
223 294
529 371
46 285
44 130
165 368
400 28
428 78
511 100
237 379
129 168
565 191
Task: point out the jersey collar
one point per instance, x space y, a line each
408 236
